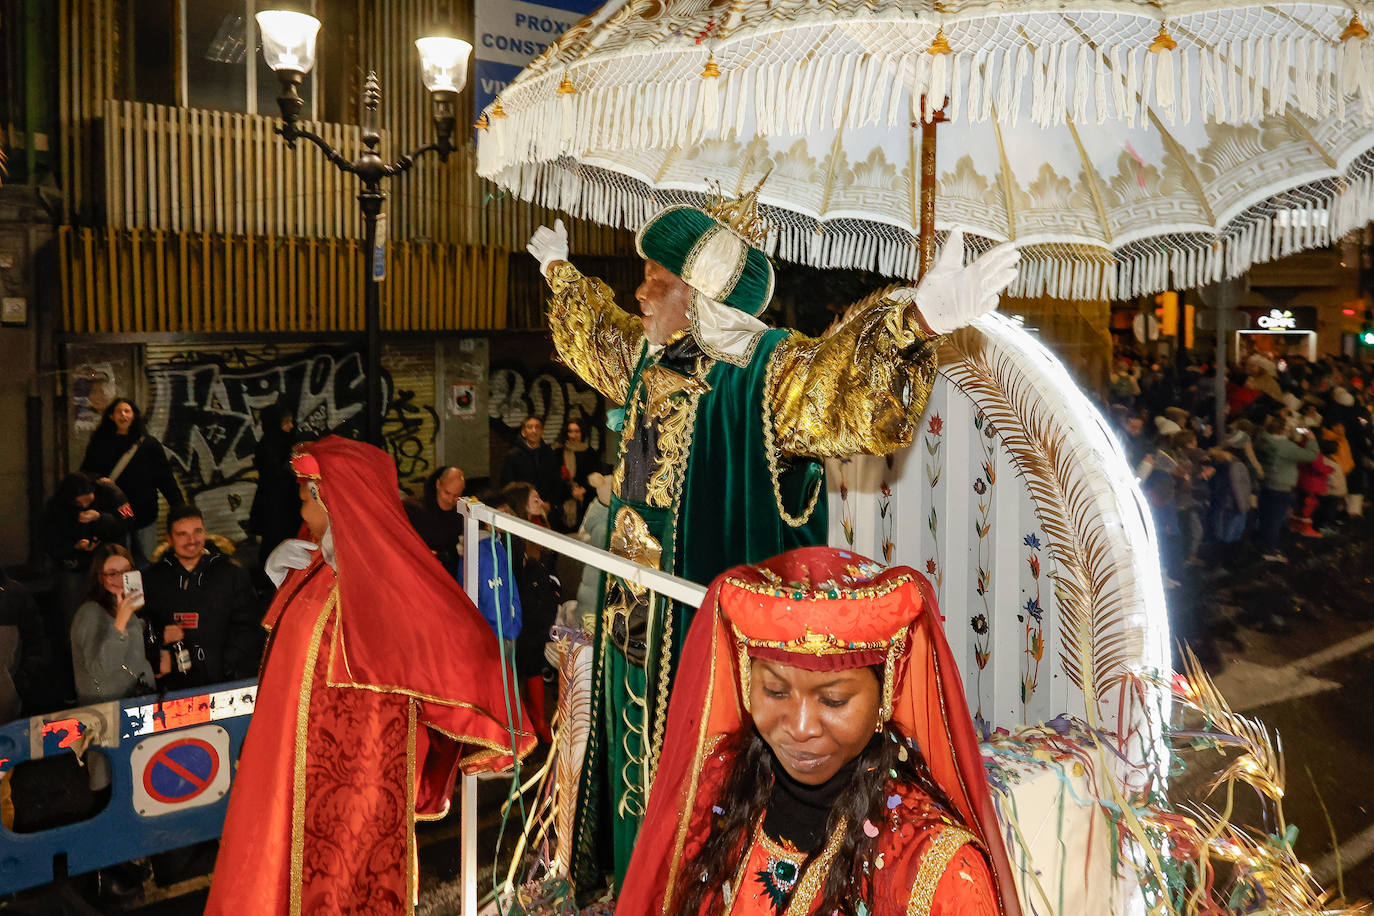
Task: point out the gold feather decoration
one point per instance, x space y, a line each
1095 648
574 724
1265 873
551 821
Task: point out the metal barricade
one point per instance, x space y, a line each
171 767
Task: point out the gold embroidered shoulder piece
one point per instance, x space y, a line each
598 339
860 390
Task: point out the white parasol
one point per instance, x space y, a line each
1124 146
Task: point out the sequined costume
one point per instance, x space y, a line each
926 865
719 464
820 609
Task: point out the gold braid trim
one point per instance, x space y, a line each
660 722
934 861
770 449
813 874
816 872
302 741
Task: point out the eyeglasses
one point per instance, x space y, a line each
114 574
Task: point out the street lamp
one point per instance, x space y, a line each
288 45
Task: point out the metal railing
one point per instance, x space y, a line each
653 580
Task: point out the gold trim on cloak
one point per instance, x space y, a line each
934 860
302 739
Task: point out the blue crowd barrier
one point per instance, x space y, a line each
171 767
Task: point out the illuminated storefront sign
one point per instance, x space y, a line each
1278 320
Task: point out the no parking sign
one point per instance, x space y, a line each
182 769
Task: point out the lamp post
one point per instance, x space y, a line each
288 45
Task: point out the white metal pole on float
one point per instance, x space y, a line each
476 514
468 824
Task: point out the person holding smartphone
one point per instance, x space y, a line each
107 633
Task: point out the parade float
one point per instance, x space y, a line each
1125 150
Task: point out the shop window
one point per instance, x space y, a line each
203 54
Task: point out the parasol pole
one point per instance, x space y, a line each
925 205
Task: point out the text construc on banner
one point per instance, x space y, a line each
511 33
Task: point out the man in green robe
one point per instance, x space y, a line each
725 423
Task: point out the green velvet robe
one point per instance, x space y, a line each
860 390
726 515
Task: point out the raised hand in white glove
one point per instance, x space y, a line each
951 295
292 553
549 245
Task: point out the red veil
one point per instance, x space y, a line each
405 626
823 609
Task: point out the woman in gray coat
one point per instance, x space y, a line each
108 657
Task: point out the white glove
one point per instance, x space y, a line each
549 245
951 295
292 553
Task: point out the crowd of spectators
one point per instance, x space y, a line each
1291 463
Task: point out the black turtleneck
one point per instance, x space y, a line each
798 812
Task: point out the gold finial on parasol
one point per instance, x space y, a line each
1355 30
1163 41
940 44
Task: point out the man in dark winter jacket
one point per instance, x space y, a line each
531 461
201 599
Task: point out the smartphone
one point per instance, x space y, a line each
133 585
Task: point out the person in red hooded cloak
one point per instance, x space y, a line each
820 757
380 681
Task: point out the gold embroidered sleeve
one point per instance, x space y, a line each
859 391
593 335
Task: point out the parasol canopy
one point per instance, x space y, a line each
1125 147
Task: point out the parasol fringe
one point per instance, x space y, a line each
1082 85
997 62
975 88
1217 77
1149 98
956 90
937 87
1004 74
1281 60
1099 87
1231 61
1185 86
1039 103
1061 88
1348 80
1207 87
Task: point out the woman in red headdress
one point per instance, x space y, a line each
820 757
381 680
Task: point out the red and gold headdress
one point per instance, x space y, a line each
386 574
823 609
305 465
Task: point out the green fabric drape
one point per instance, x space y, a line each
727 514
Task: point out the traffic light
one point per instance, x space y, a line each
1367 330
